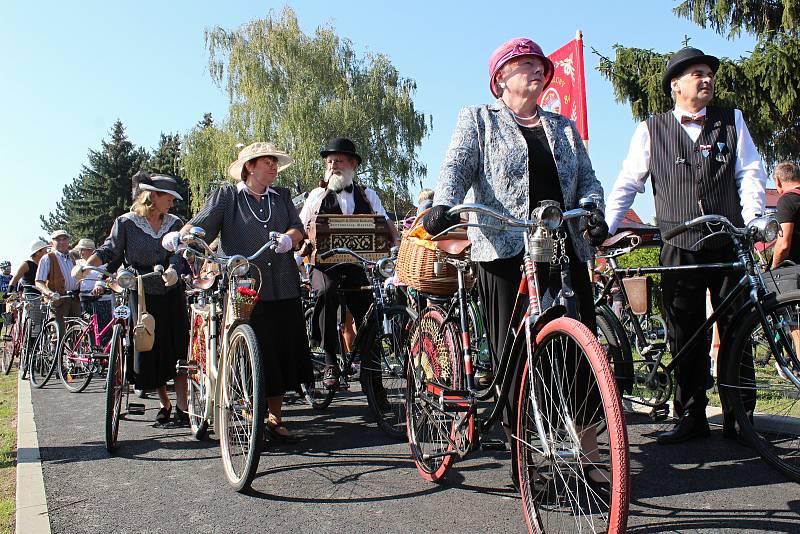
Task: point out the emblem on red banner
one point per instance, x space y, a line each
566 94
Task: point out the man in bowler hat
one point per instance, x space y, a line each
701 160
339 193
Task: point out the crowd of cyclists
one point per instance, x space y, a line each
536 208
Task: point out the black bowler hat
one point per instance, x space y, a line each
340 145
682 60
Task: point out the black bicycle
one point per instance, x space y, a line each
378 354
758 370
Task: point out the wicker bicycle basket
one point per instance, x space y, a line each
242 310
416 263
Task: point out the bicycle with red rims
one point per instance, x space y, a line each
569 428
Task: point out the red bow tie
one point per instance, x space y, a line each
688 119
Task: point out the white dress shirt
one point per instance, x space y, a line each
749 173
66 263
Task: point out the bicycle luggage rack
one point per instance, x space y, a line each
448 400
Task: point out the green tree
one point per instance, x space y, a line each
301 90
167 160
206 155
764 85
102 191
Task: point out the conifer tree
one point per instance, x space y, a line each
167 160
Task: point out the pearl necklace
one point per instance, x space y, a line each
269 205
520 117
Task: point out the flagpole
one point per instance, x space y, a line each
579 47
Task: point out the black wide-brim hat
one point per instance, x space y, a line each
682 60
340 145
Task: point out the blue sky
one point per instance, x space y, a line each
68 70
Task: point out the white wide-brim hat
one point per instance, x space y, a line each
160 183
256 150
38 245
58 233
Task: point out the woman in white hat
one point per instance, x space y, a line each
26 273
95 299
135 240
243 215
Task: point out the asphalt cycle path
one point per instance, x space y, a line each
346 476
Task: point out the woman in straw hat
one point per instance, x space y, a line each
135 240
244 215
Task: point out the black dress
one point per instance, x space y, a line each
133 240
243 224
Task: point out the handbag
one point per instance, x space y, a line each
145 327
783 278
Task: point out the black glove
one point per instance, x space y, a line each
437 220
595 228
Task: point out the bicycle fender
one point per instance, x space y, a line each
553 312
744 309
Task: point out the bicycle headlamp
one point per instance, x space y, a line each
385 267
126 280
238 266
547 214
764 228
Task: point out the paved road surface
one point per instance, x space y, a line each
346 476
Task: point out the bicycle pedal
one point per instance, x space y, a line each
493 445
135 408
659 413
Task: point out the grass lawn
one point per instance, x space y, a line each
8 450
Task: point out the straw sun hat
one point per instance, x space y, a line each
256 150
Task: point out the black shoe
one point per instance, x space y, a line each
163 415
179 420
600 490
689 426
272 434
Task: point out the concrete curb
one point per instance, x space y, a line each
32 515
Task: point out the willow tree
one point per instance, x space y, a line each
301 90
764 85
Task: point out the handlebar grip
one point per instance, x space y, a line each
327 254
669 234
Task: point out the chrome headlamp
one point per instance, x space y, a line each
764 228
238 266
547 214
385 267
126 280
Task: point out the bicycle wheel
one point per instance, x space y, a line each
612 337
75 358
198 387
116 387
10 339
434 435
45 351
383 378
764 397
242 408
25 345
316 394
569 421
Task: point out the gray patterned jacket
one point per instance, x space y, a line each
488 154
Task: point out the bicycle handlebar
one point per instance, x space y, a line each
703 219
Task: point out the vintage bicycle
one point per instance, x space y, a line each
558 437
758 370
378 348
42 358
225 371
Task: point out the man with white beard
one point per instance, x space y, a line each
339 194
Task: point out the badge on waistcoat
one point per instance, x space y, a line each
705 150
722 152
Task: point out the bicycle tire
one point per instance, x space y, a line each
10 337
315 393
197 380
45 354
613 338
242 408
434 362
387 401
115 388
556 496
24 350
75 358
773 429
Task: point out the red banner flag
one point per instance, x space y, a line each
566 94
